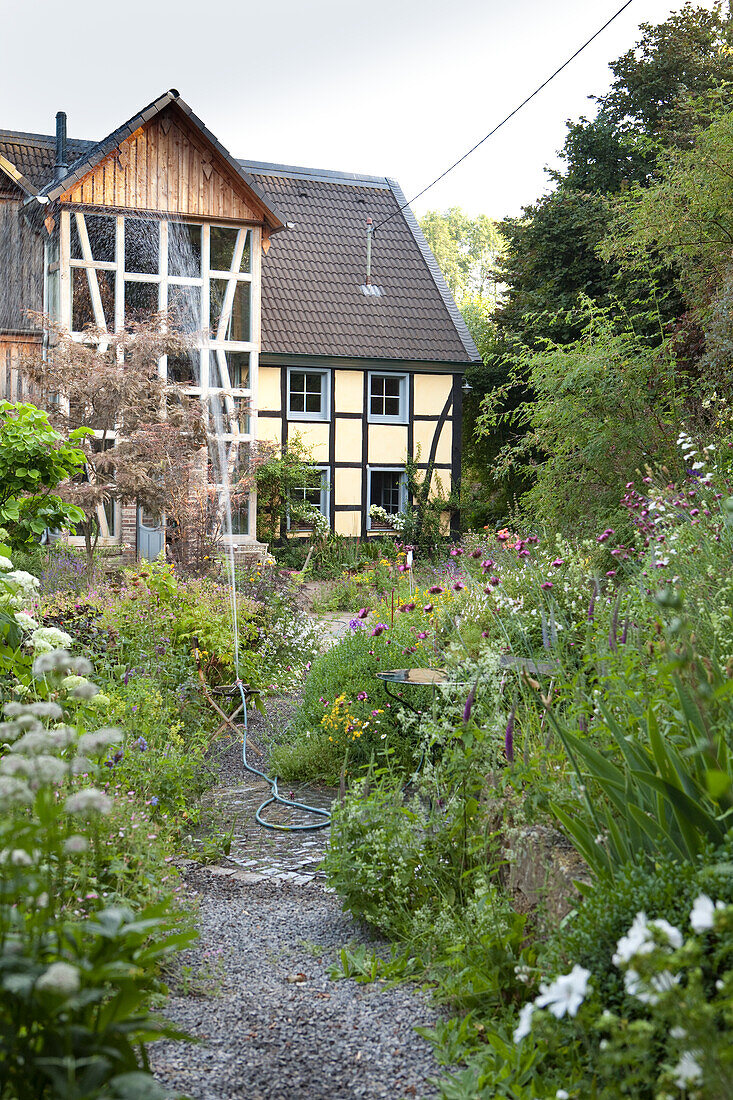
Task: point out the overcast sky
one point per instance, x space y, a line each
388 87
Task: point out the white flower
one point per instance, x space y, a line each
89 800
48 638
649 990
57 661
14 790
639 940
60 978
525 1022
678 1033
18 857
702 916
45 710
47 769
35 742
76 844
566 993
82 765
25 621
79 688
91 744
562 1094
5 564
688 1071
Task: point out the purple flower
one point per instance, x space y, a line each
469 703
592 605
362 696
435 590
487 564
475 553
140 744
459 586
546 585
362 613
154 800
422 635
558 562
379 629
355 624
428 608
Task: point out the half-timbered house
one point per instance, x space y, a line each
364 361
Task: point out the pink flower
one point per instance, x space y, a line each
428 608
378 629
436 590
494 580
459 586
558 562
546 584
362 696
362 613
422 635
611 573
487 564
475 553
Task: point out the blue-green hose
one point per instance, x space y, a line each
276 796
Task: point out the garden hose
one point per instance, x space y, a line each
276 796
272 783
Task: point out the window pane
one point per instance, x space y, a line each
391 387
184 306
222 248
106 282
141 299
240 516
238 367
81 301
238 328
297 402
142 246
184 369
101 231
313 402
385 490
391 406
184 250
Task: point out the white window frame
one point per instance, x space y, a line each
378 418
325 377
324 506
402 487
213 343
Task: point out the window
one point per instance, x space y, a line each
308 394
315 494
388 398
388 490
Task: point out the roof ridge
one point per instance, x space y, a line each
326 175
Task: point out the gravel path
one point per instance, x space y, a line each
255 989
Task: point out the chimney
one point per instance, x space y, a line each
61 166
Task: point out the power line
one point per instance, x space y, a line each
508 117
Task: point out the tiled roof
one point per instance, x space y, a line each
312 302
34 154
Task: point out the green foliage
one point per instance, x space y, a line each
276 479
599 410
35 459
466 250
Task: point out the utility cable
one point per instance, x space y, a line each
505 120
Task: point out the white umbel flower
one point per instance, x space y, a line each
91 744
5 564
61 978
88 801
14 791
76 844
48 638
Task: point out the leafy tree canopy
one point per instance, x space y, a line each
466 250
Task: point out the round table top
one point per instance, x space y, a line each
414 675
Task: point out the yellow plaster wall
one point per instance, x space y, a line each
268 388
424 431
348 487
348 440
314 436
349 391
388 443
269 429
431 393
348 523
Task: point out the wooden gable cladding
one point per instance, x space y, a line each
168 166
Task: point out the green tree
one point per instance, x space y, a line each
278 477
591 414
466 250
34 460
